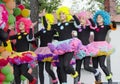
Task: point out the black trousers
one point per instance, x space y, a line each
86 62
100 60
59 75
48 70
65 67
19 70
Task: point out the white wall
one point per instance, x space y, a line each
115 57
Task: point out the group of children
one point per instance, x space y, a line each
68 46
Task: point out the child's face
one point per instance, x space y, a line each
62 16
99 19
82 20
21 26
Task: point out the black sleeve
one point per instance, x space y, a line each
13 37
76 20
55 32
92 22
37 34
30 34
45 22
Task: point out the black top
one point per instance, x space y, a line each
101 32
84 33
65 29
22 43
45 36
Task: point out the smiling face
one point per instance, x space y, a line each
21 27
82 20
100 20
63 17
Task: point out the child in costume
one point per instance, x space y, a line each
44 55
85 53
3 22
22 57
66 46
102 19
3 37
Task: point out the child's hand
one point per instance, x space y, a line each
71 12
33 24
11 27
89 14
42 13
74 33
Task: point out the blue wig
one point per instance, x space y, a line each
104 14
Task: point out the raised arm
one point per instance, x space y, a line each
30 35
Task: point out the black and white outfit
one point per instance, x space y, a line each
83 35
99 37
65 49
44 55
21 68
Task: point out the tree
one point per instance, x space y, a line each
90 5
49 5
117 6
107 5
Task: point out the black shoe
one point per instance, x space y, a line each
110 81
76 80
98 77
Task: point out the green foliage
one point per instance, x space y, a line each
50 6
101 1
118 9
26 3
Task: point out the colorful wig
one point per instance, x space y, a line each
27 22
64 10
50 21
104 14
84 14
3 16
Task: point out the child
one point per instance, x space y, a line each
44 55
102 19
84 29
23 57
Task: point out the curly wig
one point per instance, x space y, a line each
27 22
64 10
3 15
104 14
84 14
50 19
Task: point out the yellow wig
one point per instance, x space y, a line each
50 19
64 10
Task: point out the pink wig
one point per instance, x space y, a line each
3 15
86 15
26 22
83 14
